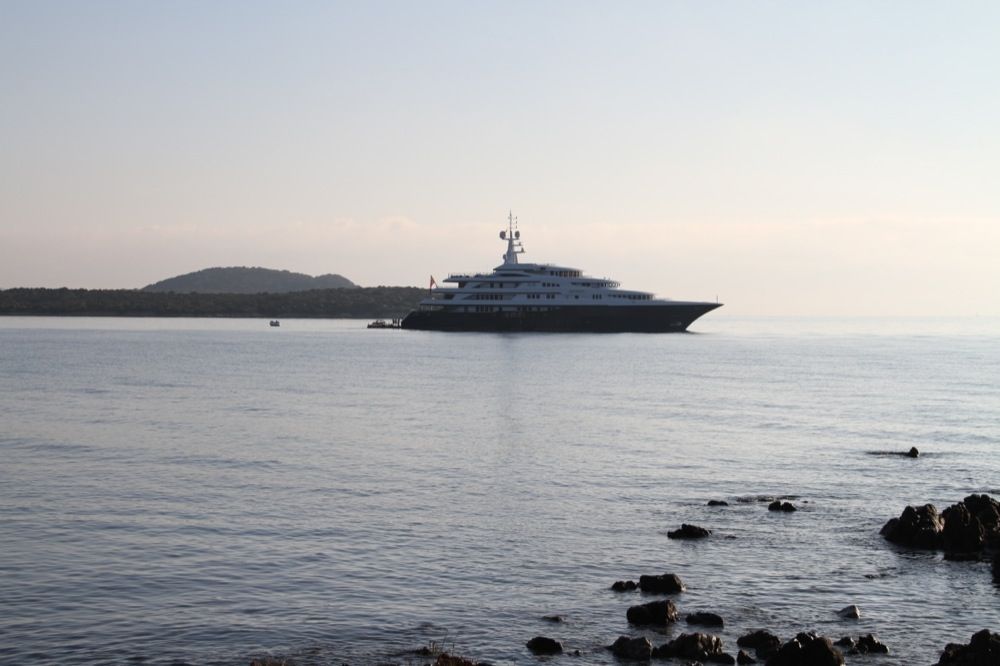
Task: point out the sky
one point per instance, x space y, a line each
788 158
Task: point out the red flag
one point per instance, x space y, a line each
433 284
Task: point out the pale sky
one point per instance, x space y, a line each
789 158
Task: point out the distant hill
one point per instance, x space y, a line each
243 280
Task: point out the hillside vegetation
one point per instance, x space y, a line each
317 303
244 280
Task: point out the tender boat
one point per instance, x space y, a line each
545 297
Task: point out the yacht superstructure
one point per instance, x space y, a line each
519 296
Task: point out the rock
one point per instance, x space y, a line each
807 650
763 641
996 567
868 644
917 527
778 505
656 612
983 650
692 646
689 532
623 585
544 645
987 510
632 648
554 618
743 657
665 584
706 619
851 612
718 503
721 658
913 453
846 642
962 532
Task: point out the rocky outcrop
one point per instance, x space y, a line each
689 532
868 644
664 584
657 613
763 641
916 527
698 646
544 645
743 657
807 649
778 505
638 649
996 567
983 650
705 619
718 503
963 530
913 453
624 585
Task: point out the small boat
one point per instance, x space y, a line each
275 322
382 323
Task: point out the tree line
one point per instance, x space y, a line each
317 303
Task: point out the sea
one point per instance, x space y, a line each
211 491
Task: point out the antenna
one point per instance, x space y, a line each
513 238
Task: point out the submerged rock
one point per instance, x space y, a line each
544 645
913 453
807 649
851 612
624 585
718 503
554 618
763 641
778 505
626 647
664 584
705 619
983 650
654 613
868 644
689 532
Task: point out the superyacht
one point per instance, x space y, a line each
544 297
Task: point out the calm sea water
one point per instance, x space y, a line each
213 490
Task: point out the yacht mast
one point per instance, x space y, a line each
513 238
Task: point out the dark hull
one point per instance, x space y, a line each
669 318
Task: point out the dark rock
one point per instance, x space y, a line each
917 527
763 641
445 659
665 584
983 650
544 645
807 650
962 531
718 503
656 612
868 644
689 532
846 642
632 648
624 585
721 658
913 453
743 657
695 646
553 618
987 510
851 612
778 505
705 619
996 567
